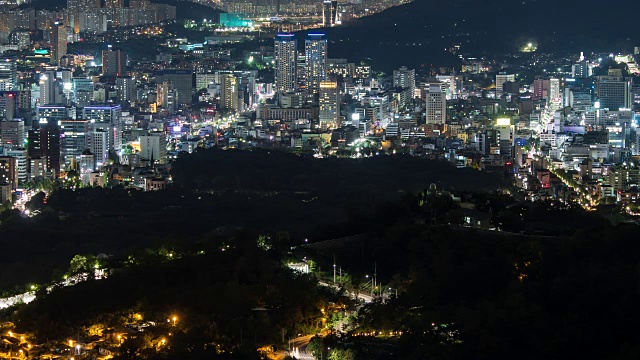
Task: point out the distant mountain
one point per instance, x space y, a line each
417 34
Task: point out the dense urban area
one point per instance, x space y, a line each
270 179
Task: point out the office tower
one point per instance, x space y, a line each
125 89
48 88
229 93
102 113
12 132
581 70
164 96
181 81
285 48
74 139
58 41
614 91
315 51
329 105
405 78
44 145
329 12
9 104
82 91
52 112
501 79
8 171
548 89
8 75
20 154
114 62
22 38
436 105
100 146
154 147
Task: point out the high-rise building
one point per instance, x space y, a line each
52 112
74 139
58 41
285 48
581 70
329 12
614 90
548 89
102 113
436 105
8 171
8 75
114 62
44 145
100 146
315 51
20 154
82 91
229 93
181 82
329 105
125 89
501 79
154 147
47 88
405 78
12 132
9 104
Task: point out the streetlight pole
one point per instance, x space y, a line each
334 269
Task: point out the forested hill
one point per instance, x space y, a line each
417 34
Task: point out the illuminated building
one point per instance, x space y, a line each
58 41
154 146
614 91
285 47
329 12
125 89
12 132
500 80
405 78
8 173
329 105
436 105
44 145
114 62
229 93
74 139
315 61
8 75
181 81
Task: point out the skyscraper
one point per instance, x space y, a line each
8 74
12 132
229 93
285 47
74 139
329 12
114 62
125 88
58 41
405 78
44 145
329 105
47 88
436 105
315 51
501 79
181 82
614 91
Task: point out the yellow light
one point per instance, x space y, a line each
503 121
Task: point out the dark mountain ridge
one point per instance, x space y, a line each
418 34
